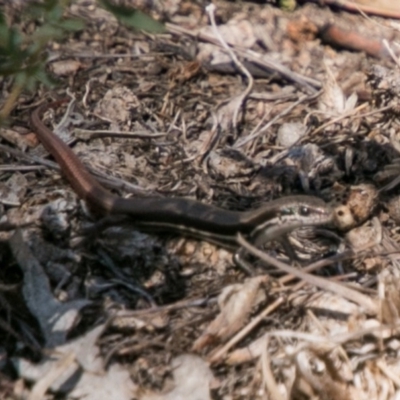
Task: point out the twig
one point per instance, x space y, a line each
391 52
341 117
210 10
262 61
352 6
110 181
10 102
370 306
268 377
255 135
350 114
215 357
89 134
179 305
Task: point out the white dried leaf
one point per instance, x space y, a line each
84 377
19 216
327 302
65 67
236 302
227 166
192 380
351 102
210 54
363 237
248 353
14 189
314 371
226 112
8 196
332 100
116 107
380 332
21 141
289 133
236 33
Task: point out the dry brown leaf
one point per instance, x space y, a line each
236 302
65 67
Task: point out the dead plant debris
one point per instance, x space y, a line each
265 104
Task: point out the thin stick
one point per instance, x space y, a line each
371 307
210 10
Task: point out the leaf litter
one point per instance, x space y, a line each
147 316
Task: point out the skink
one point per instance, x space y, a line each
269 222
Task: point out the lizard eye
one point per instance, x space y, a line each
304 210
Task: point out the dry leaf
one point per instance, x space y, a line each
235 302
192 380
65 67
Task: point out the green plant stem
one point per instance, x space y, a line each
10 102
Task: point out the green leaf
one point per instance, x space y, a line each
54 12
34 10
42 76
133 18
70 24
21 78
47 32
